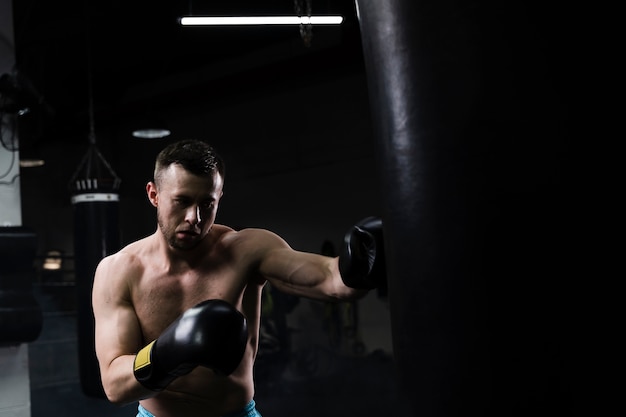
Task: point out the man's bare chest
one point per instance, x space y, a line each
161 298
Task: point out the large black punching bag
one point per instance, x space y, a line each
21 318
468 132
95 202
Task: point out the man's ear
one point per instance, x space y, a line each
153 195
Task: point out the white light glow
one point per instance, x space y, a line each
31 163
259 20
52 264
53 260
151 133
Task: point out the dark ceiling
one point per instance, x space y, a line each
124 57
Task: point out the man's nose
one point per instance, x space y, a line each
193 215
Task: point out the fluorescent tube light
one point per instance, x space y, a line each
151 133
260 20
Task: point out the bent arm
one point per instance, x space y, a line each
117 331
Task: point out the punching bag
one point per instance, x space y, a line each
21 318
468 129
95 202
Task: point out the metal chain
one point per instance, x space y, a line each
303 8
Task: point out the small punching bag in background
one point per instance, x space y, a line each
469 132
95 198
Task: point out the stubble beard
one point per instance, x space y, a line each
169 233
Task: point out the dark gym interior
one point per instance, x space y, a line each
300 115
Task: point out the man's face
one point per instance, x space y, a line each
186 205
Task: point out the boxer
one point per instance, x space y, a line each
177 312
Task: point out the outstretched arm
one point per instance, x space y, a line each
359 267
306 274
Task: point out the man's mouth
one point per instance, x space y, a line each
187 233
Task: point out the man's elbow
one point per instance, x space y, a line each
115 395
341 292
119 393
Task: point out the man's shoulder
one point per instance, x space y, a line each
244 234
117 270
131 256
250 241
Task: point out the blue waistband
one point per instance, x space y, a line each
142 412
248 411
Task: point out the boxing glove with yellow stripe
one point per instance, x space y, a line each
212 334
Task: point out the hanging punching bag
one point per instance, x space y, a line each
95 204
21 318
467 131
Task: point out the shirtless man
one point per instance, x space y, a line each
194 288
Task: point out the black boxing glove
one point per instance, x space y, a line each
362 257
212 334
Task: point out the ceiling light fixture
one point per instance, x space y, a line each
150 126
151 133
259 20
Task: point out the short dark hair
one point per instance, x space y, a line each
194 155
